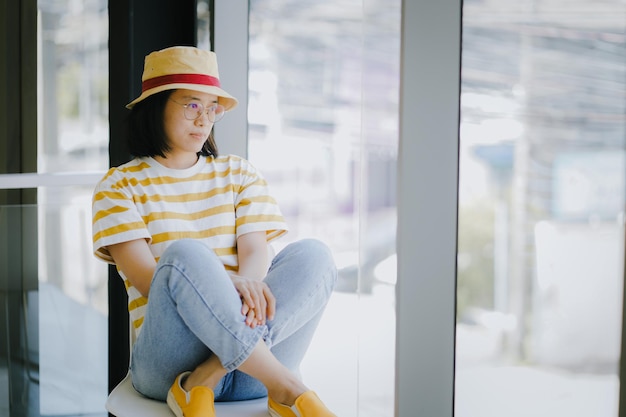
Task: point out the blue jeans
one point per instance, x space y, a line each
194 311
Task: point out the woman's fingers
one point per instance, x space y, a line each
261 309
244 307
258 302
250 319
271 303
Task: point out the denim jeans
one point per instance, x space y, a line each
194 311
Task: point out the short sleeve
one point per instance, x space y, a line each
115 216
255 208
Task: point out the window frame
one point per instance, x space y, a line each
427 207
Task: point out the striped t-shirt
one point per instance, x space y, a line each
214 201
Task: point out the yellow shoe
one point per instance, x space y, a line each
307 405
199 402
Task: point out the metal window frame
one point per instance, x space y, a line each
427 207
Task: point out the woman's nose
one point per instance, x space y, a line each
203 118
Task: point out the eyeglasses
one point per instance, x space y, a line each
194 110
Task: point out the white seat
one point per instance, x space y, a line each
124 401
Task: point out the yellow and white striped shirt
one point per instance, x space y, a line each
214 201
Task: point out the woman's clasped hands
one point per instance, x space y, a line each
258 302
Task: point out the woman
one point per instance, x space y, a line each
216 319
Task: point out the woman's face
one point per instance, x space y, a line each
185 137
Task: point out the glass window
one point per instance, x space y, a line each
323 128
203 23
541 229
73 78
73 137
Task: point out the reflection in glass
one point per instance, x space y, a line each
541 235
73 78
323 108
67 308
73 311
203 23
55 307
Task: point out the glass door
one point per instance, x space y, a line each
73 139
541 208
323 129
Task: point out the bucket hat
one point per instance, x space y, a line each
182 67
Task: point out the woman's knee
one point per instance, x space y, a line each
317 251
182 248
312 255
187 258
188 251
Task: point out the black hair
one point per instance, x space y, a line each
146 132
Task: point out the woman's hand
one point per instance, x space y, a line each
258 302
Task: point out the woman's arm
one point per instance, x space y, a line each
252 253
136 261
258 301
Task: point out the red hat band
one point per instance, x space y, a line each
200 79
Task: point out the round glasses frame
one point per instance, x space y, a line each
194 110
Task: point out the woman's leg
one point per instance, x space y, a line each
237 385
194 311
179 336
301 277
